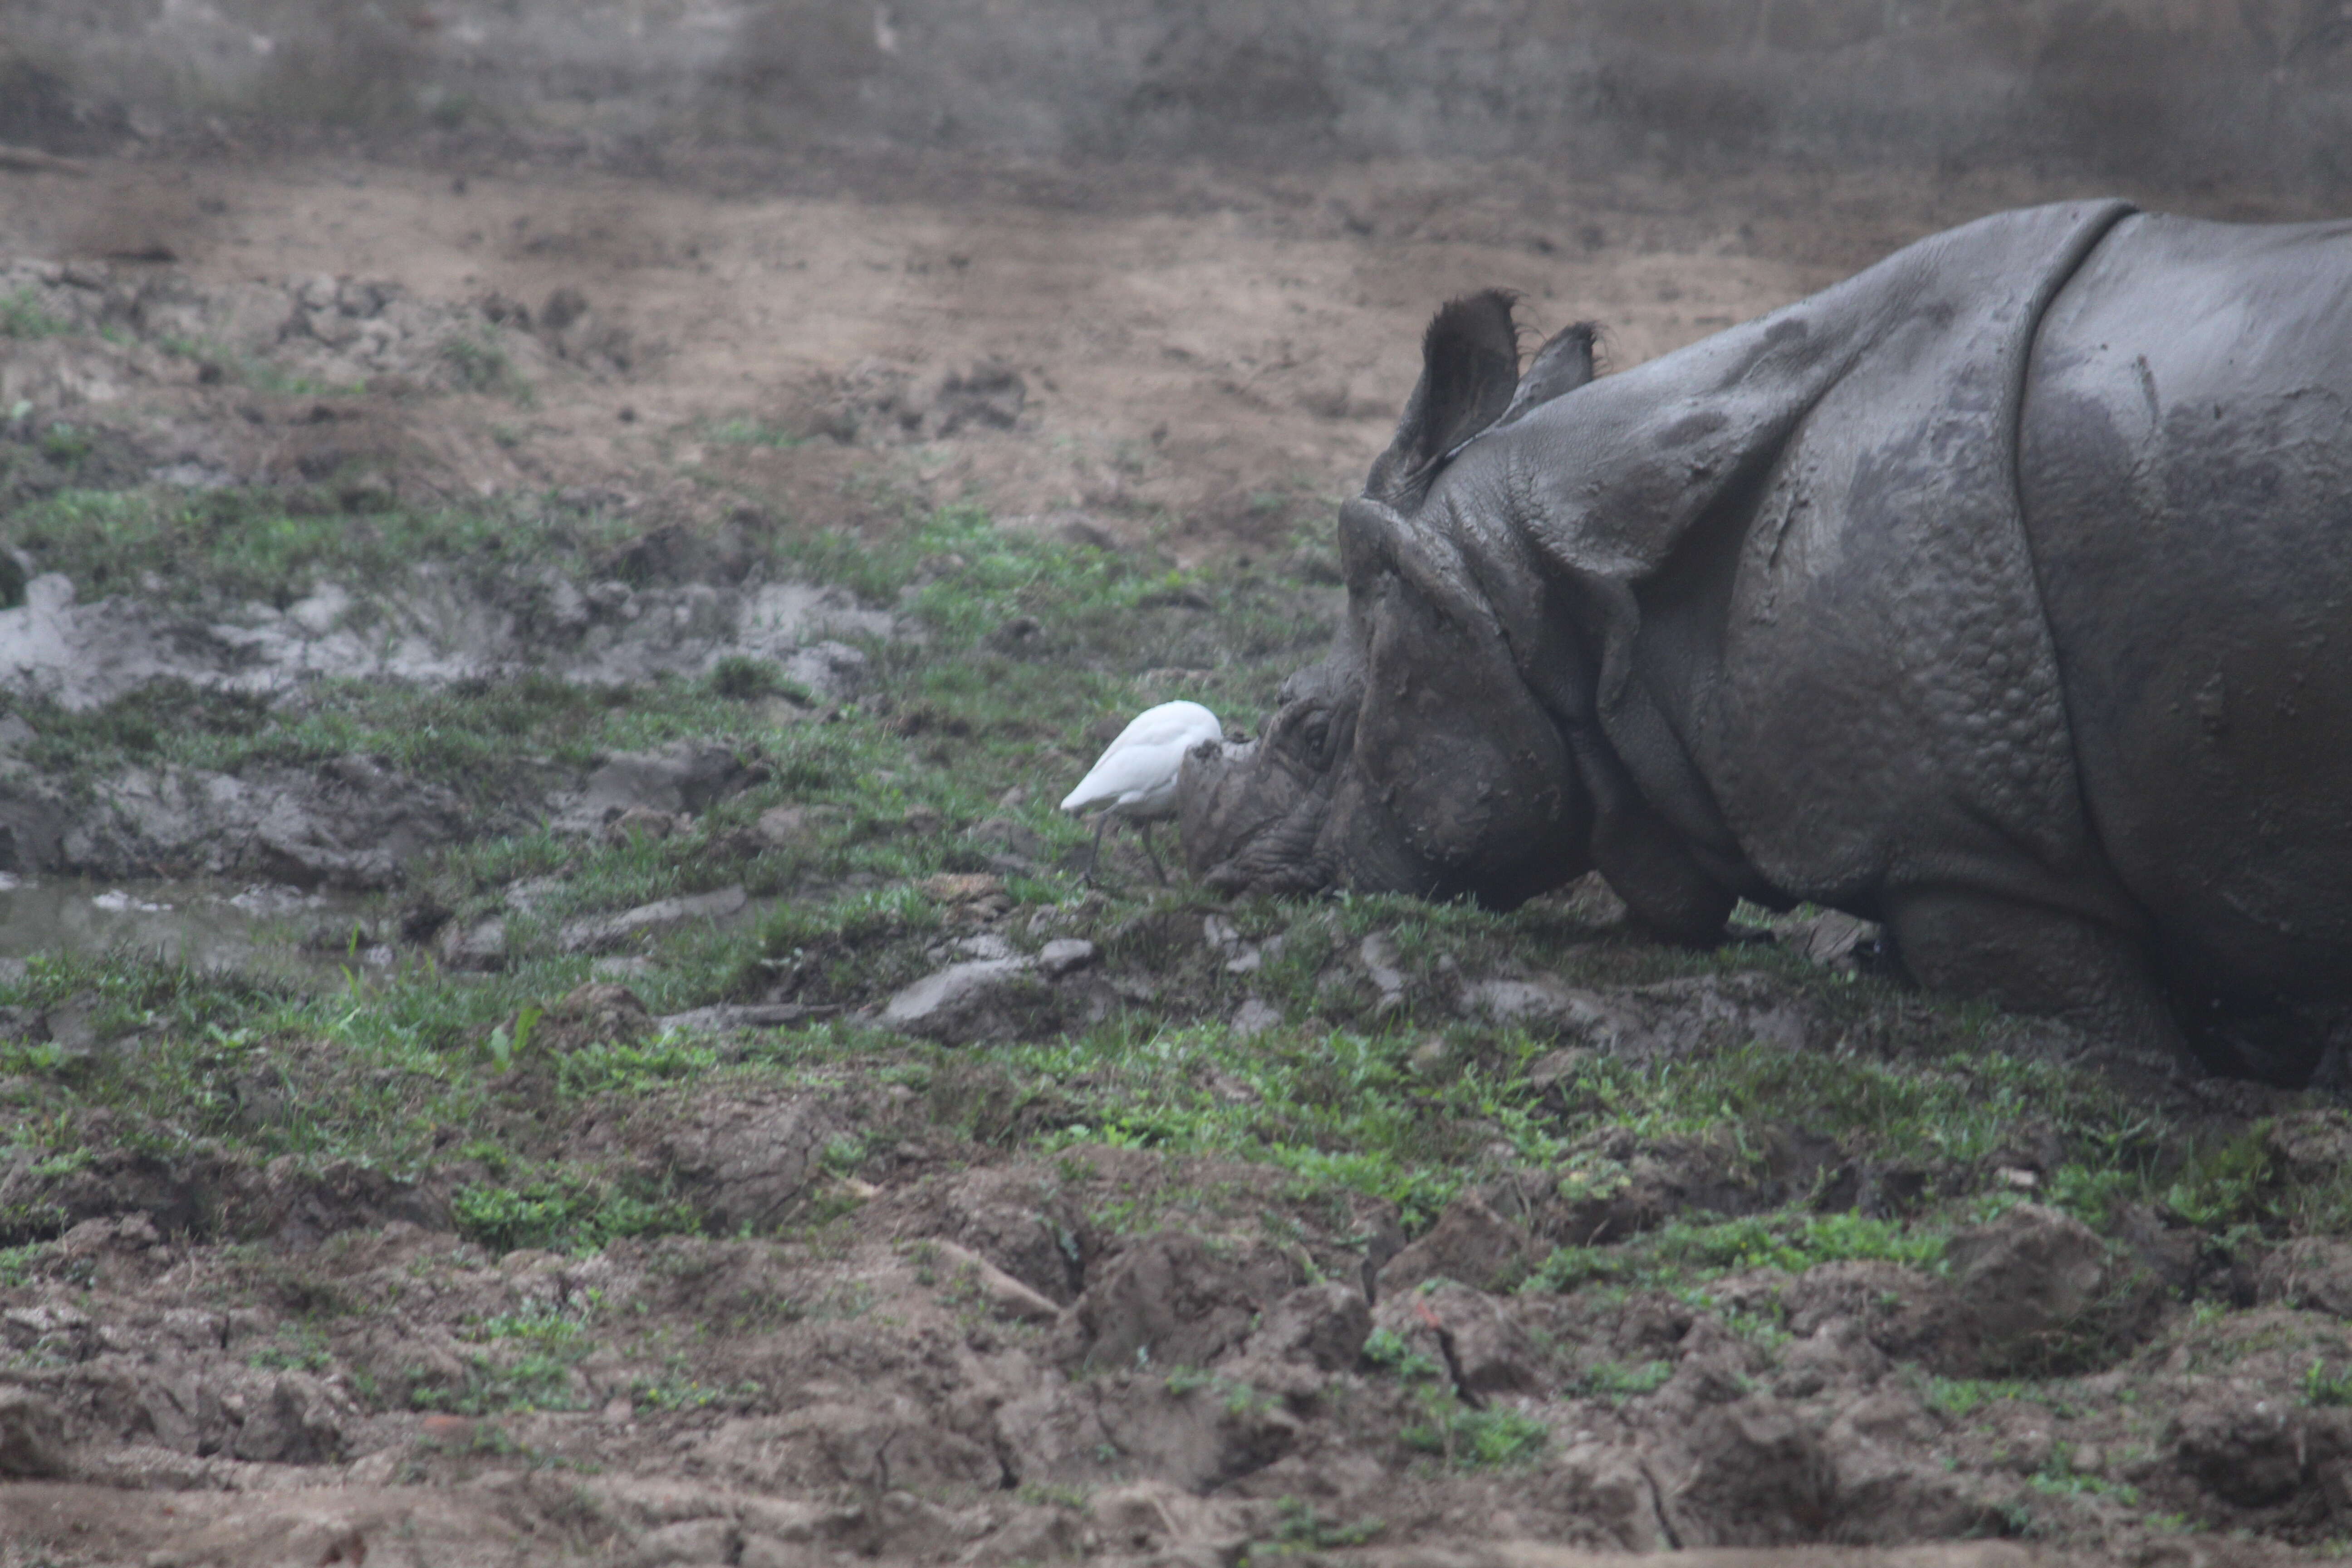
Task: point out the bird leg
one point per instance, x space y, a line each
1144 827
1094 860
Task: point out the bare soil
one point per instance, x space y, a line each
942 1346
1189 341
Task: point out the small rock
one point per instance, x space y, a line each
603 933
1377 952
729 1017
985 999
32 1437
1065 954
1255 1016
481 946
1470 1243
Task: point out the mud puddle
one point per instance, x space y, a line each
207 925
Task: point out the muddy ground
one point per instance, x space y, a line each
619 633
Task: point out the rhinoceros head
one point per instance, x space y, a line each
1417 758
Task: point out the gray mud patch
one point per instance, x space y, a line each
355 821
440 627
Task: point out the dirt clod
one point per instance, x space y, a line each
1174 1300
2040 1287
1323 1326
1469 1243
32 1437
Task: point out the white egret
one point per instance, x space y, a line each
1135 776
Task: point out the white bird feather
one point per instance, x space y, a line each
1135 778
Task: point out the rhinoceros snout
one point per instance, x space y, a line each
1249 823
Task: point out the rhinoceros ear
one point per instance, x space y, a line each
1469 369
1559 367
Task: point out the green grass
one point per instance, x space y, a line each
492 1385
1495 1438
1300 1528
575 1212
251 370
2327 1389
1961 1397
1389 1352
752 433
1618 1383
1685 1251
237 544
22 317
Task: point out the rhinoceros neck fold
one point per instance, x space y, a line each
1823 645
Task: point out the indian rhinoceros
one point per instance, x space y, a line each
2002 593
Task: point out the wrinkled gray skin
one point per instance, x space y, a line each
2002 593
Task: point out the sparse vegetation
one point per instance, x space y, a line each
480 364
21 317
1682 1252
1300 1527
1475 1439
945 766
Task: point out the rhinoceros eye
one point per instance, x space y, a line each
1314 733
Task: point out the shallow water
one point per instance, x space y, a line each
207 924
